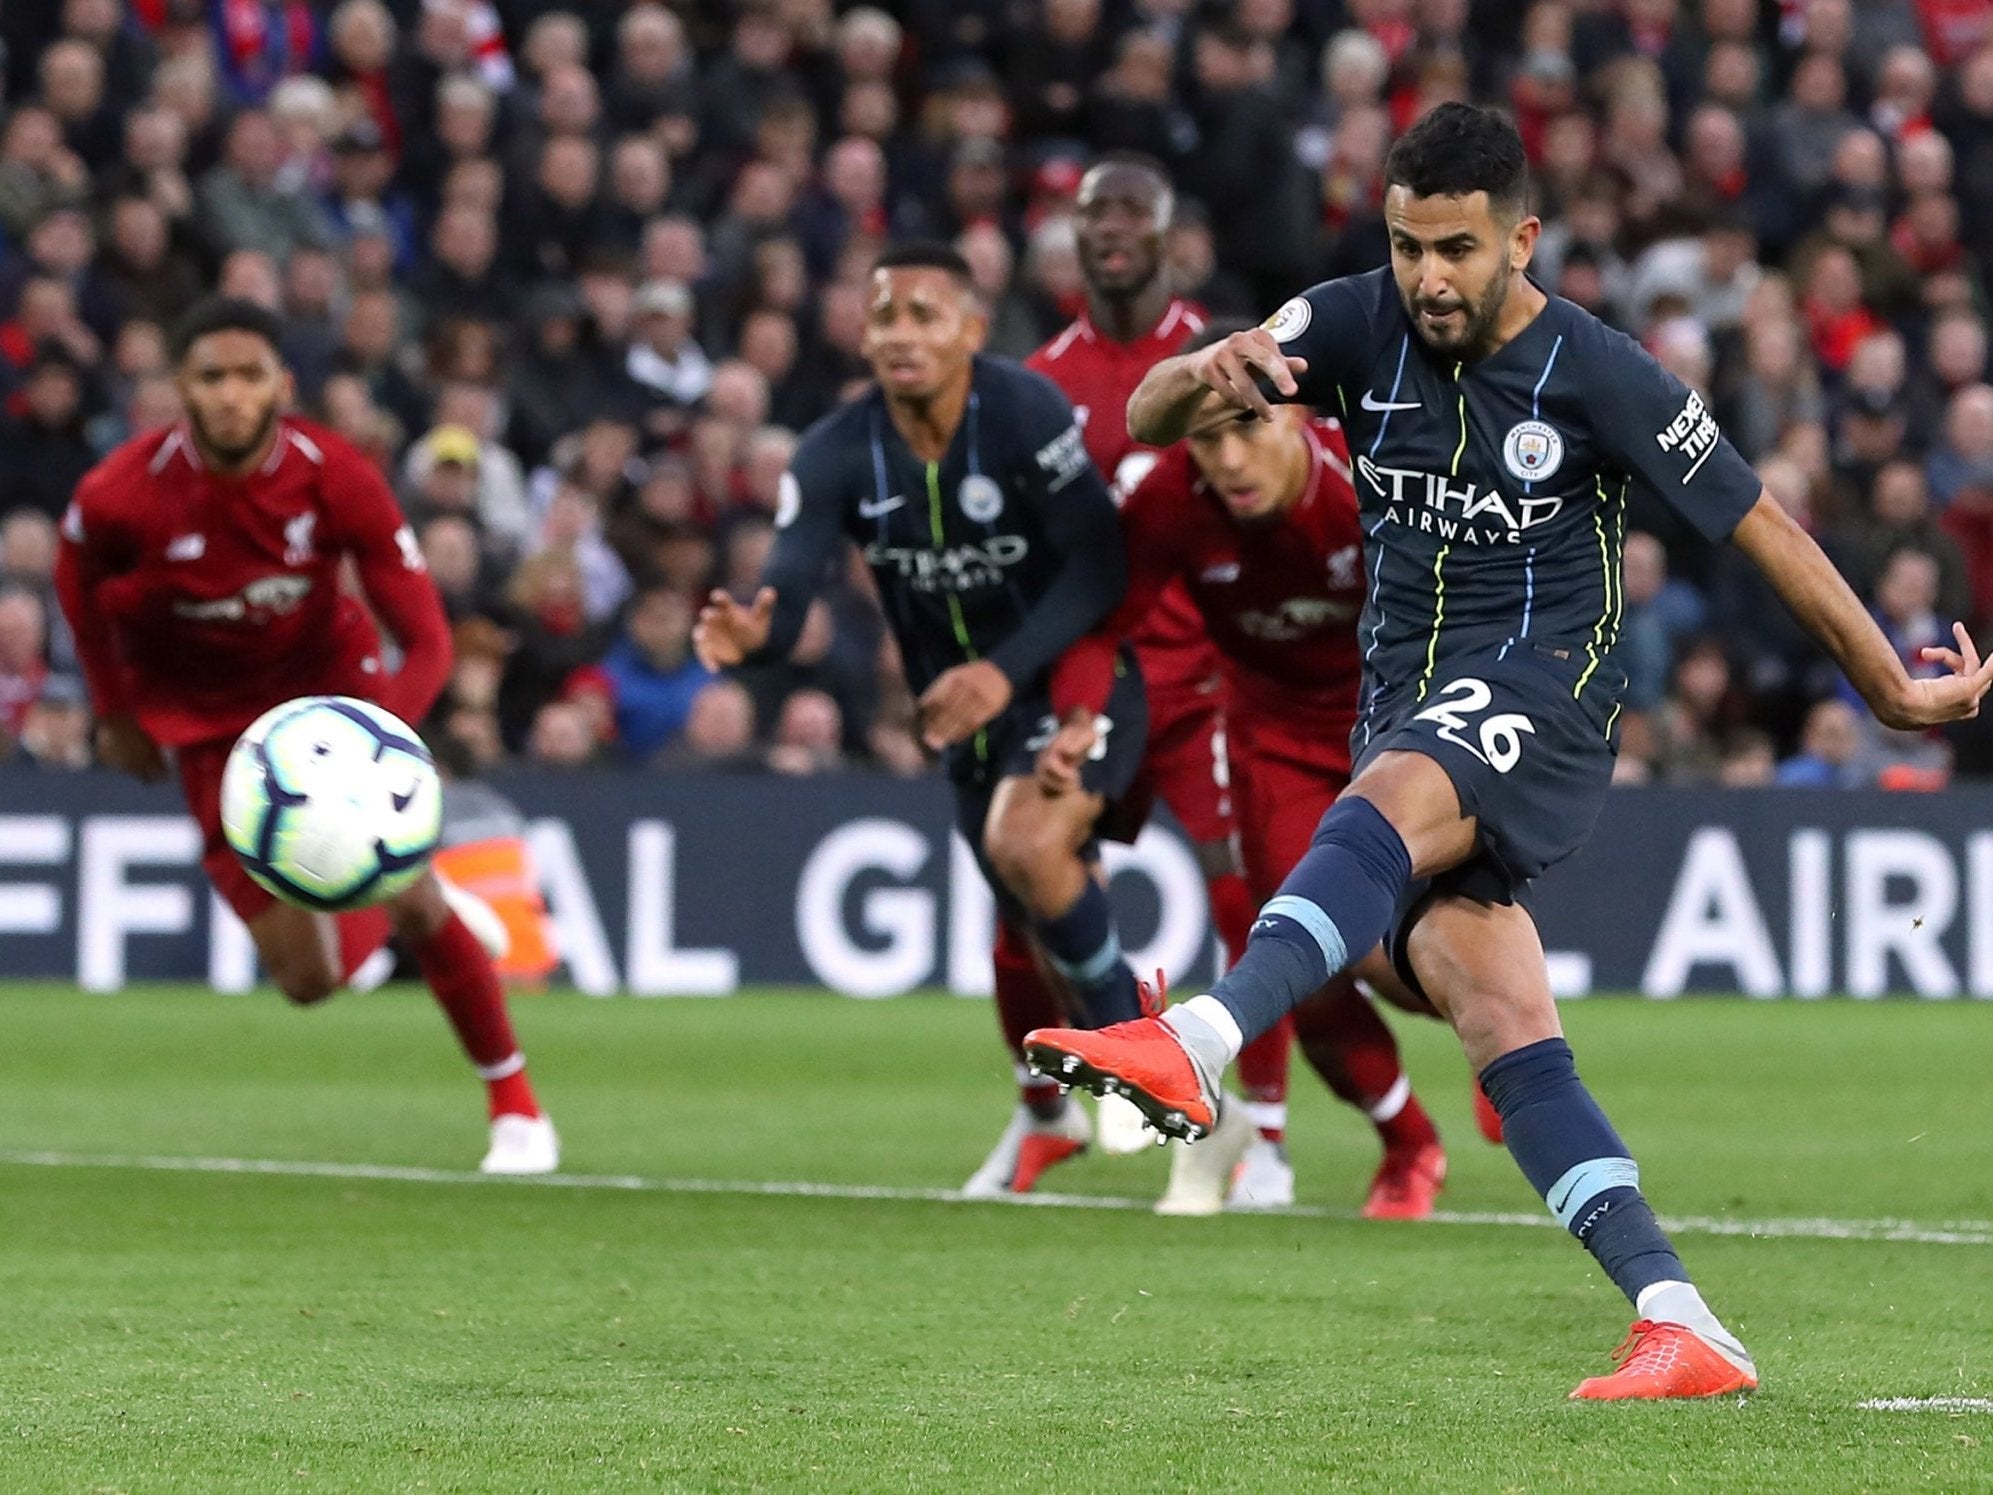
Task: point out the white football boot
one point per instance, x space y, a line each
1119 1129
1026 1149
1265 1179
1201 1171
522 1144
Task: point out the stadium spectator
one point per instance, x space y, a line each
807 735
562 737
23 657
1693 728
27 564
653 673
43 449
1828 750
664 359
451 550
1898 517
718 736
55 734
245 205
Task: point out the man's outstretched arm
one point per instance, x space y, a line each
1827 607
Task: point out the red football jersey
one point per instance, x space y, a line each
1098 375
201 600
1280 599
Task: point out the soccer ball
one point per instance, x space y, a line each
331 803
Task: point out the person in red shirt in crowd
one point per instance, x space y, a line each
200 570
1256 522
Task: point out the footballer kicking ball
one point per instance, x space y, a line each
331 803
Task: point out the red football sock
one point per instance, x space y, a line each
1356 1054
1263 1065
1233 910
466 987
1025 999
361 933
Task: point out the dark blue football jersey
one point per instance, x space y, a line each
1007 549
1494 493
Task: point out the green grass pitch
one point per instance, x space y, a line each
200 1330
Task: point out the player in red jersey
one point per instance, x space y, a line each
1132 322
200 569
1257 521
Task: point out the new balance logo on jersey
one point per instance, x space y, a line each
1454 510
411 549
1222 574
297 540
1371 402
186 547
1342 568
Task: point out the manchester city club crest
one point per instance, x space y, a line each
1533 450
980 497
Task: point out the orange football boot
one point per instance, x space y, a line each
1658 1362
1407 1183
1142 1061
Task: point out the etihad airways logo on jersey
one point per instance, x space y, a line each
959 568
1456 511
270 596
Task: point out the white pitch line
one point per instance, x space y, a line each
1949 1233
1927 1404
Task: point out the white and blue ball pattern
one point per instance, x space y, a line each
331 803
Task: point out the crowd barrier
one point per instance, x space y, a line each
695 886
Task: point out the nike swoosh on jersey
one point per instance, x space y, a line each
869 508
187 548
1371 402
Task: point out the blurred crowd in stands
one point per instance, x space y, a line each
578 275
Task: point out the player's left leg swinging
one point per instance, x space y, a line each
1483 967
461 976
1401 815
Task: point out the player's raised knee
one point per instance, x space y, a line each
306 983
1029 850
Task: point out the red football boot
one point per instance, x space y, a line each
1662 1362
1407 1183
1142 1061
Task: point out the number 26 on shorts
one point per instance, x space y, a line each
1500 735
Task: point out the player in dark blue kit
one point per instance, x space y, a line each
965 482
1496 433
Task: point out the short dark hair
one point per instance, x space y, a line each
1139 160
225 314
925 254
1458 149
